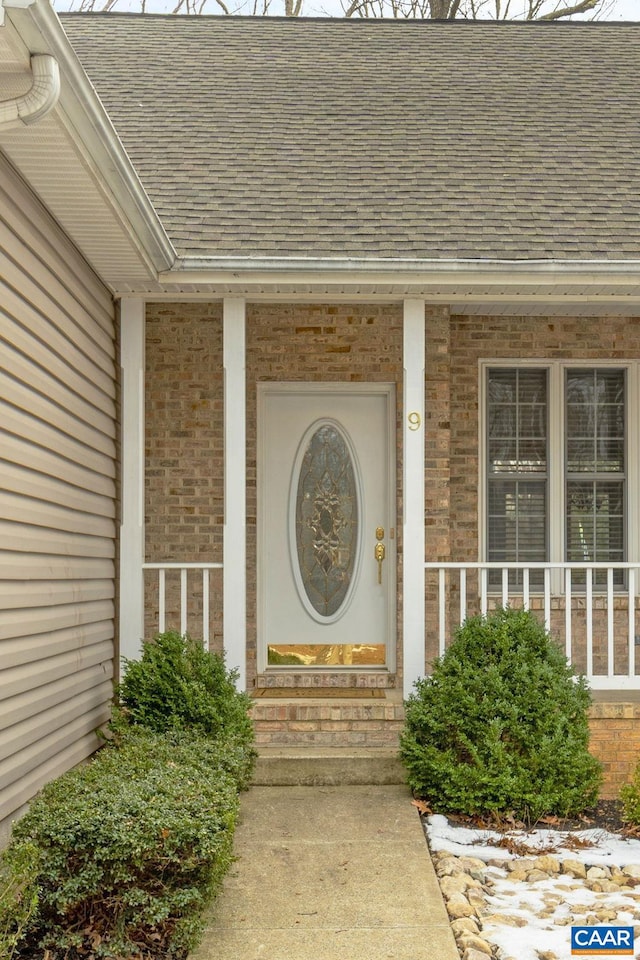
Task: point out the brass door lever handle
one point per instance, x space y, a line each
380 551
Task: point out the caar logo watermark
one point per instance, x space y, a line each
602 941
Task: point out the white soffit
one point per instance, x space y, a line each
73 161
14 56
50 162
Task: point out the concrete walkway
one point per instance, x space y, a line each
329 873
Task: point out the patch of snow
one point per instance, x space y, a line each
545 909
604 847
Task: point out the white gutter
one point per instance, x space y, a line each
39 99
352 270
19 4
40 29
392 264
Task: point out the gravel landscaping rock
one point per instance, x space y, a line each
480 920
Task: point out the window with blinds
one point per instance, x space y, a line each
595 465
524 420
517 457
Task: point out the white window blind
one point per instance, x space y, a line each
517 446
541 431
595 464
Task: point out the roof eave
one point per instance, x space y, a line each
207 269
466 286
82 112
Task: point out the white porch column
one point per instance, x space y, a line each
235 485
132 487
413 538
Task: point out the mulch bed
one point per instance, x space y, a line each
605 815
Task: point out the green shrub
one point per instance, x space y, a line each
501 724
18 895
177 683
131 846
630 796
117 859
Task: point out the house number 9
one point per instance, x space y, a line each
414 420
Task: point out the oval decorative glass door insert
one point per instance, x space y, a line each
326 505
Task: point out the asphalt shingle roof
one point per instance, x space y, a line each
377 138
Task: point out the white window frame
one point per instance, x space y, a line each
556 452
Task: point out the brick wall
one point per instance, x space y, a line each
326 342
456 509
184 417
184 453
615 741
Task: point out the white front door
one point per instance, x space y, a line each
326 525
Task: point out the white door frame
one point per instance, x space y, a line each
329 389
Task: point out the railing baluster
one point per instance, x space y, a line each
589 612
463 595
205 570
162 601
183 600
484 573
610 645
632 623
568 612
547 598
205 608
441 611
600 585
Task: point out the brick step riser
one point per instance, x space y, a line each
328 724
302 712
328 738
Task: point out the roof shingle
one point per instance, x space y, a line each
267 137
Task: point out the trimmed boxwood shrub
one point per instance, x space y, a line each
131 846
501 724
177 683
117 858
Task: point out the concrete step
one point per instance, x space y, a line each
327 766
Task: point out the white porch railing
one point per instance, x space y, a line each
589 607
592 609
184 568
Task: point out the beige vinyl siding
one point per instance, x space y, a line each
57 499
